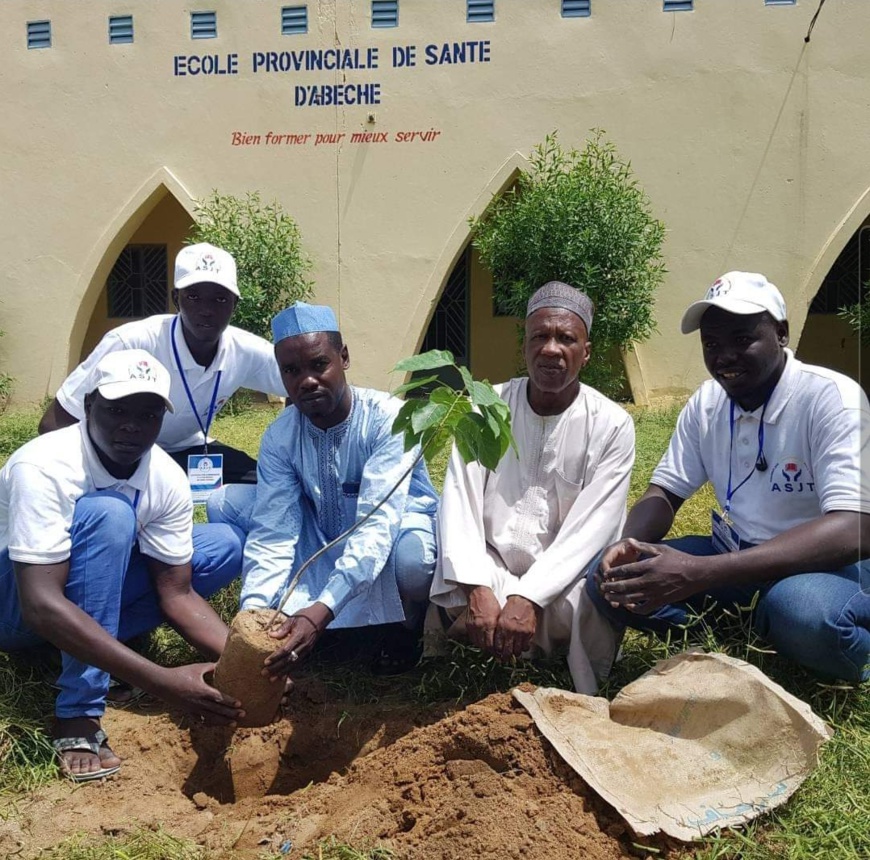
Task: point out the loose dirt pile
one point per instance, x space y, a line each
479 783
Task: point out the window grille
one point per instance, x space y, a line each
385 13
847 281
39 34
679 5
203 25
294 20
120 29
137 285
449 326
479 11
576 8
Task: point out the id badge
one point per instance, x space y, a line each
724 535
205 472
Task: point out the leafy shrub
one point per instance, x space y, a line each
578 217
858 316
267 247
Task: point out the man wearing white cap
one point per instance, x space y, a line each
208 359
514 543
325 462
97 546
783 445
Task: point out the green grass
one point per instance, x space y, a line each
826 819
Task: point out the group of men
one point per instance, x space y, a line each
98 545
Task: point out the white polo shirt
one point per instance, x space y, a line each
42 480
243 360
816 432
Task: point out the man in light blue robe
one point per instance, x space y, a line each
326 461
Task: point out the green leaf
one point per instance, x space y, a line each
429 415
445 395
425 361
476 441
467 378
403 420
414 383
483 394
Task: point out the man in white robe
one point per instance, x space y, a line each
515 543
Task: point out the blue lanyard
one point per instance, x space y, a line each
190 399
136 499
759 458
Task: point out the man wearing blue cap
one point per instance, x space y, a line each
325 462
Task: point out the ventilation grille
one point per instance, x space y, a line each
478 11
203 25
576 8
39 34
294 20
120 29
385 13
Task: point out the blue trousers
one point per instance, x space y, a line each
109 580
820 620
411 564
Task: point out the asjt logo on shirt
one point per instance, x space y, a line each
791 475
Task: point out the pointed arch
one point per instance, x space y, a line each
453 248
103 255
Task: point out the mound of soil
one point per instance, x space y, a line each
479 783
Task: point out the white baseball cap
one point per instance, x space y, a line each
130 371
205 264
737 293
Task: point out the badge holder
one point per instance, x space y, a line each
724 536
205 473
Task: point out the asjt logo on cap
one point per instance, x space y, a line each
791 476
207 263
143 370
719 287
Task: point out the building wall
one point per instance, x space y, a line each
750 142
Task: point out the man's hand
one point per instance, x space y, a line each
299 632
186 688
515 629
663 575
482 618
625 551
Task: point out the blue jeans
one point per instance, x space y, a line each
820 620
109 580
411 562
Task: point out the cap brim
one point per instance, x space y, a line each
692 317
117 390
205 278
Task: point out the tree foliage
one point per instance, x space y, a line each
582 218
858 317
267 247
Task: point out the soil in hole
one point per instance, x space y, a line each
479 783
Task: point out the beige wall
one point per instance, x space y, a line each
750 143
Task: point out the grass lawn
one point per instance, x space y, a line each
827 818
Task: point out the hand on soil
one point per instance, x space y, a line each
185 687
299 632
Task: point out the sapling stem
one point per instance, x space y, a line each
324 549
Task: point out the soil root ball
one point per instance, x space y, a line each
238 671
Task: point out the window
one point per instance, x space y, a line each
780 2
203 25
679 5
847 281
385 13
294 20
120 29
478 11
39 34
576 8
137 285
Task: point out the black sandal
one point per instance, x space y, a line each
400 651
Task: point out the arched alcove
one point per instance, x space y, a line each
158 214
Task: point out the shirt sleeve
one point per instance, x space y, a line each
840 444
71 395
168 536
367 549
462 555
276 523
593 521
263 372
39 529
681 470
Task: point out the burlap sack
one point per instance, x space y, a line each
700 742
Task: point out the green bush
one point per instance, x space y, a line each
858 316
267 247
582 218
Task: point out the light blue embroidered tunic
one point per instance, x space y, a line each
312 485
